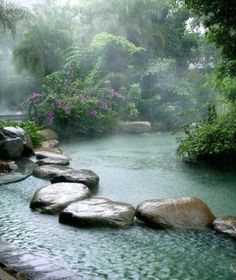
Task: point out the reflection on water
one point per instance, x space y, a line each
132 168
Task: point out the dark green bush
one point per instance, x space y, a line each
211 138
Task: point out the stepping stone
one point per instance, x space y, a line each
58 173
177 213
226 225
98 212
55 161
54 198
46 154
50 144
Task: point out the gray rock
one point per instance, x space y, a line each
134 127
58 173
98 212
54 198
11 148
179 213
49 144
45 154
48 150
84 176
226 225
7 166
55 161
23 169
49 134
19 132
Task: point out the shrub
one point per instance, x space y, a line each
211 138
30 127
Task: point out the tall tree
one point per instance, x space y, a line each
10 14
48 34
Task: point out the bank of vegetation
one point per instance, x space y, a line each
79 68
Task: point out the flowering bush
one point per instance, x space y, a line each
74 114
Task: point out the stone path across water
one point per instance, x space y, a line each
34 267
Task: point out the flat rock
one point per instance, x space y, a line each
45 154
47 150
50 144
98 212
226 225
134 127
23 168
54 198
179 213
59 173
49 134
55 161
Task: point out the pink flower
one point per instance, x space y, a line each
49 117
93 113
33 97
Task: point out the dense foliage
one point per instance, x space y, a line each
210 138
11 14
215 138
100 61
31 129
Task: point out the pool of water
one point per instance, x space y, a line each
131 168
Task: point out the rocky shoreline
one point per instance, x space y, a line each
69 196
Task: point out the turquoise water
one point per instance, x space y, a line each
132 168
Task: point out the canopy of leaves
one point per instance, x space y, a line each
10 14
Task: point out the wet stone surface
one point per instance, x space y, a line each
24 168
54 198
34 267
98 212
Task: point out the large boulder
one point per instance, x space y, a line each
59 173
134 127
98 212
11 148
226 225
179 213
14 132
14 143
54 198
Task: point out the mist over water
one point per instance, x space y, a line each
85 66
131 169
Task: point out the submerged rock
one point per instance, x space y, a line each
21 169
179 213
55 161
134 127
226 225
7 166
98 212
58 173
54 198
